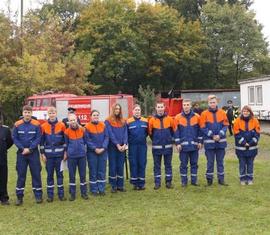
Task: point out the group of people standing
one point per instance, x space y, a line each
98 140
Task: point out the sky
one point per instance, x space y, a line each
261 7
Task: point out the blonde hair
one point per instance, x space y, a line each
187 101
51 109
136 106
211 97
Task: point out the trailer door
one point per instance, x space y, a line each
102 105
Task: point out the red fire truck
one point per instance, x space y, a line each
82 104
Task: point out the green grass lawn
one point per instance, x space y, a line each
194 210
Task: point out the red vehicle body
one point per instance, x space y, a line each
82 104
173 106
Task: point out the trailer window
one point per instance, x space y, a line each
53 102
251 95
259 97
31 103
46 102
38 102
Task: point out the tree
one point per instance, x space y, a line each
105 30
189 9
66 10
150 45
49 62
235 42
9 48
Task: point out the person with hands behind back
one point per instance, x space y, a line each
214 124
53 151
26 136
76 154
161 132
137 147
247 134
97 140
118 137
188 140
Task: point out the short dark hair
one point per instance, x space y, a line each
94 111
27 108
160 102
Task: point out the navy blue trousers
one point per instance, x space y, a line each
73 164
186 157
97 171
157 167
137 155
116 167
32 160
246 165
211 156
53 165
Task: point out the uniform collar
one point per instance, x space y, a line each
54 122
245 118
160 116
213 110
95 123
190 114
136 118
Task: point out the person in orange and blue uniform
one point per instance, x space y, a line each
247 134
97 139
26 136
161 132
214 124
188 140
117 129
76 154
53 151
137 148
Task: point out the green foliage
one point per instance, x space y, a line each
48 62
148 45
190 9
235 42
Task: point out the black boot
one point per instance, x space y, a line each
221 182
122 190
49 199
39 200
62 199
113 190
19 201
72 197
169 185
5 203
84 196
209 182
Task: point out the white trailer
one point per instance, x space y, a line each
255 92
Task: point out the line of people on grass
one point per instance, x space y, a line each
99 140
